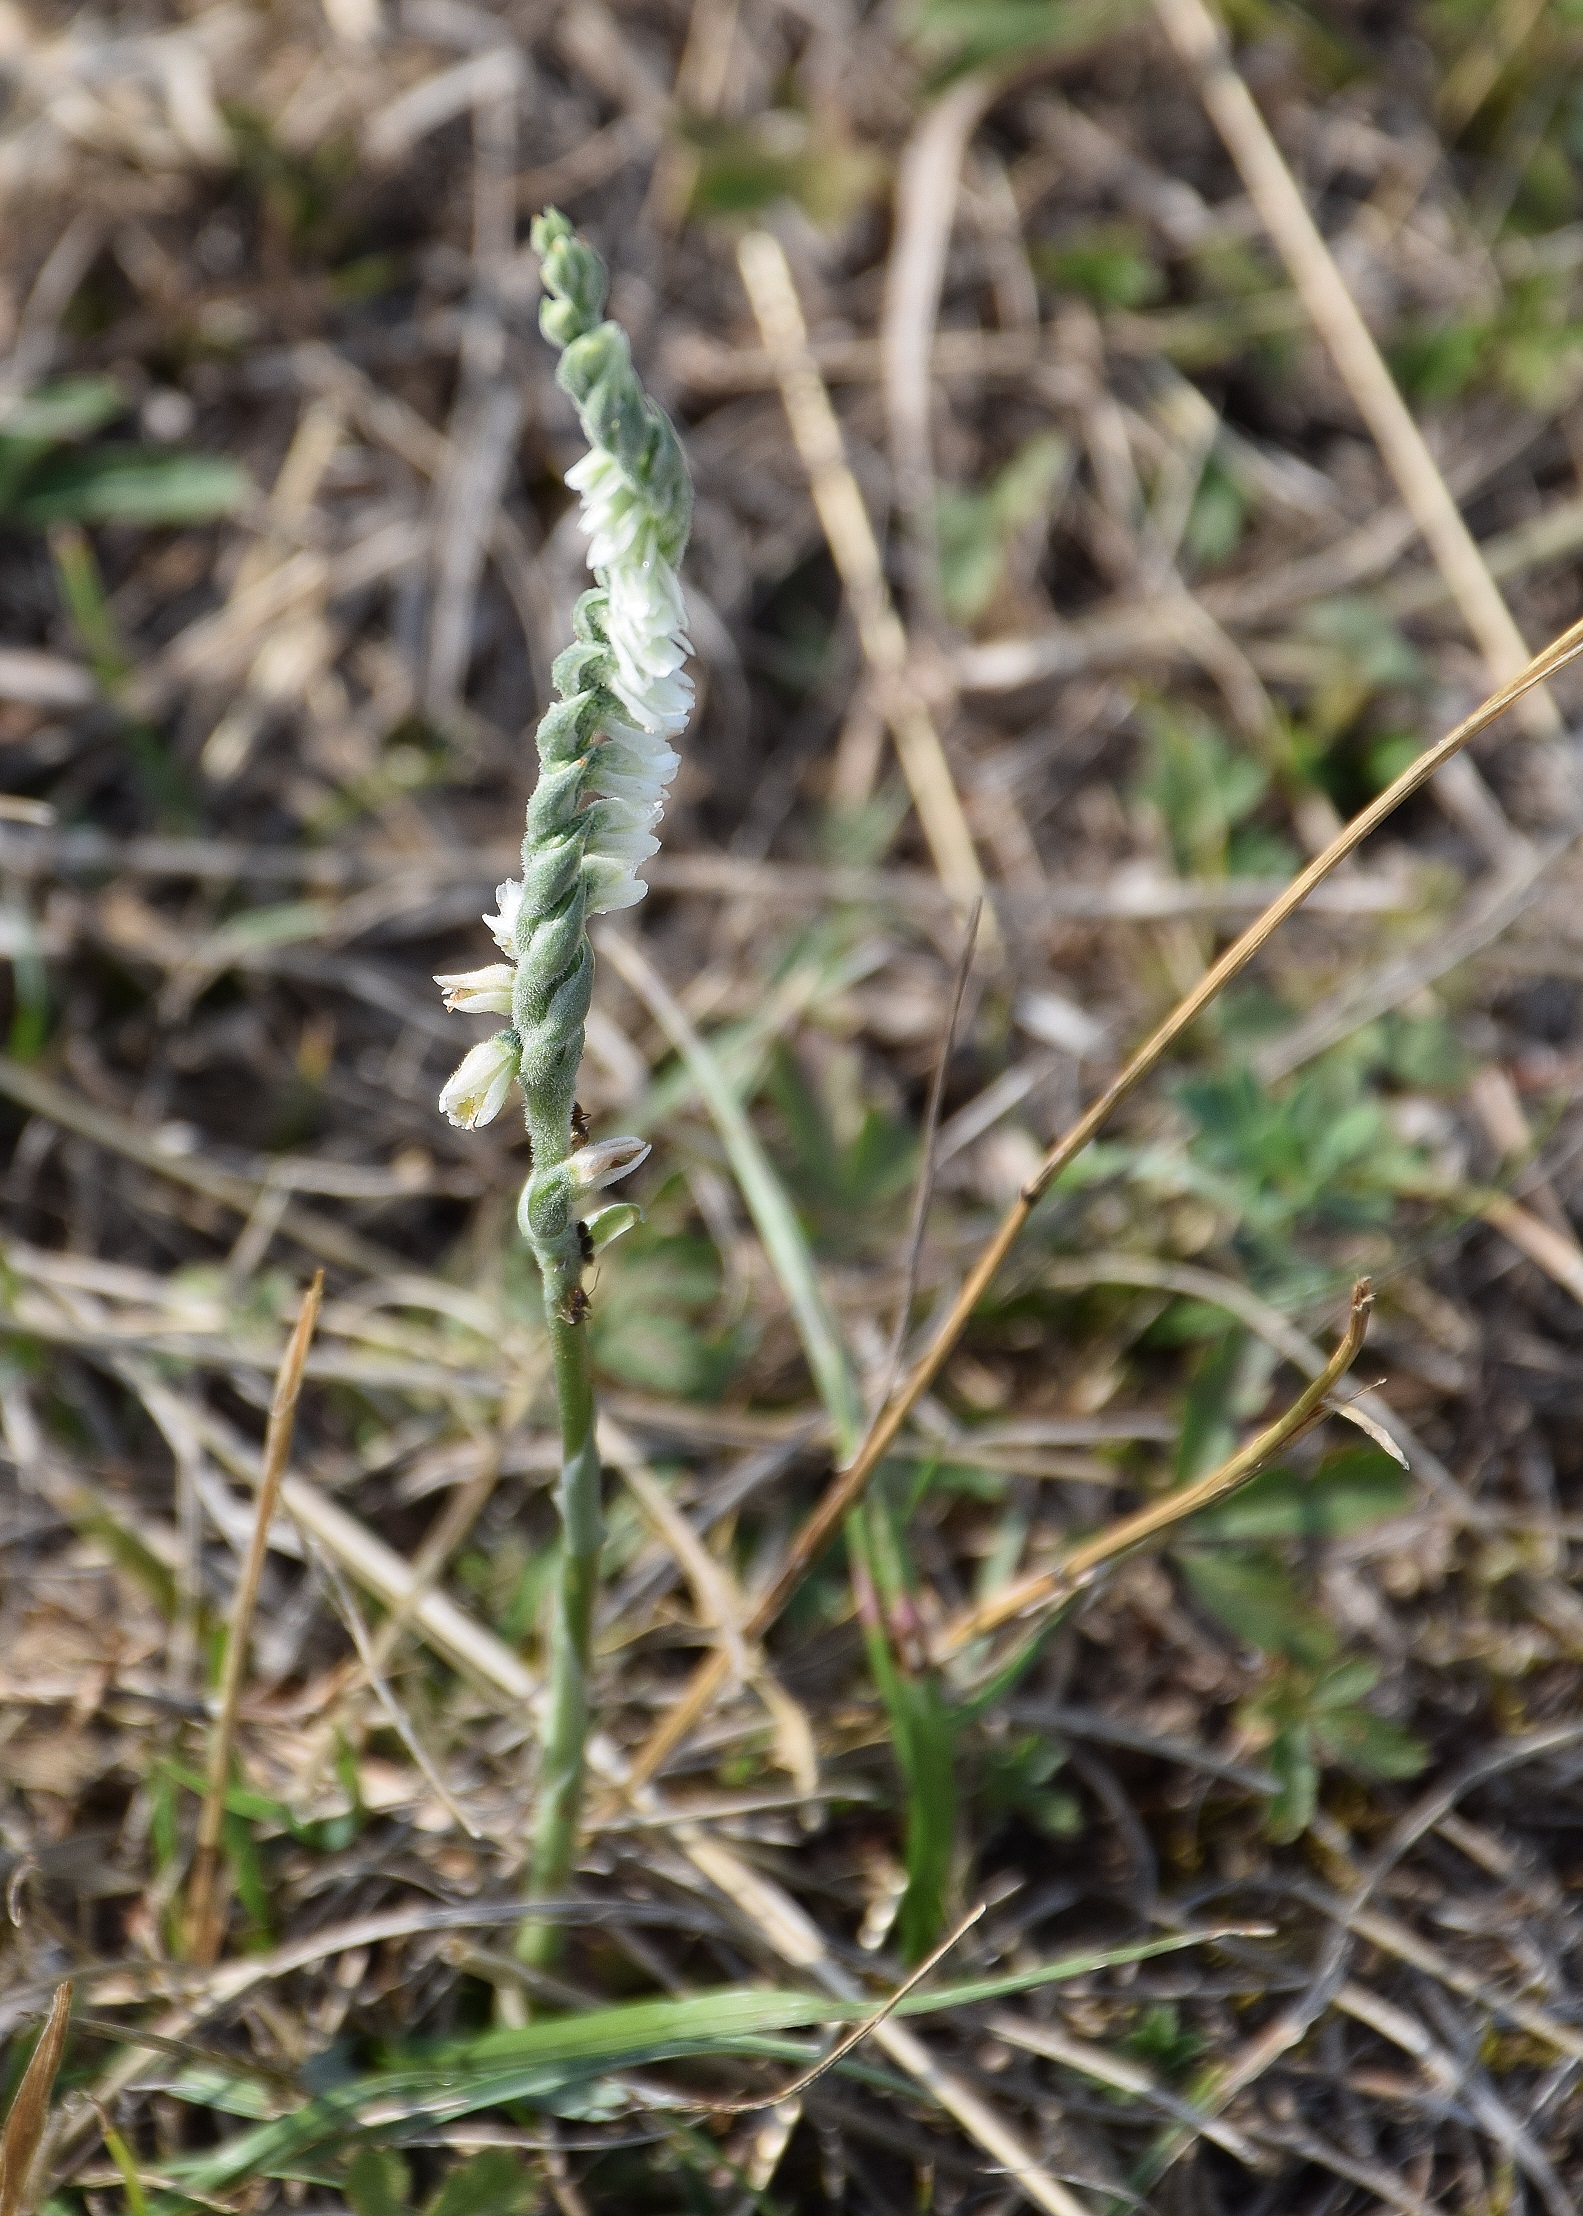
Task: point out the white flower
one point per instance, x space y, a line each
594 1167
503 927
476 1091
645 623
479 992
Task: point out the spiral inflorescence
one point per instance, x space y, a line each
605 760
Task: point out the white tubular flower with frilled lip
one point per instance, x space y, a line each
646 619
476 1091
479 992
606 1163
644 622
502 928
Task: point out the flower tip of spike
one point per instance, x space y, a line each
549 228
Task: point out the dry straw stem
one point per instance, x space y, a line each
845 519
1557 1254
1081 1564
205 1910
849 1484
24 2126
928 181
1319 284
928 1158
859 2032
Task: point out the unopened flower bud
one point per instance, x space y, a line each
476 1091
479 992
594 1167
606 1224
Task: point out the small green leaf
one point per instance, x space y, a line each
82 589
1291 1811
1255 1598
494 2183
977 530
1202 786
1350 1490
1365 635
377 2183
1017 1783
1109 264
1160 2037
131 484
1347 1682
1436 362
1369 1744
746 166
1216 518
959 35
70 409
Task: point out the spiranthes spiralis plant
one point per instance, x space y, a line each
605 763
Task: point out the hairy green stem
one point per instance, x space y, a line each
566 1717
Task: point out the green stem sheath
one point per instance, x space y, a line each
566 1717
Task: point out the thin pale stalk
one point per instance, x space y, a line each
205 1908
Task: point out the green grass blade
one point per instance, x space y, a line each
141 485
540 2060
768 1202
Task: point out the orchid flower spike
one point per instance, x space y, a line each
606 755
606 761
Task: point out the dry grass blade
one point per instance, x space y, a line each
317 1233
849 1484
1200 42
923 1191
24 2126
927 180
1083 1563
714 1592
205 1911
857 557
856 2036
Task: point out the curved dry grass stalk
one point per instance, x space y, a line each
1082 1564
849 1484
